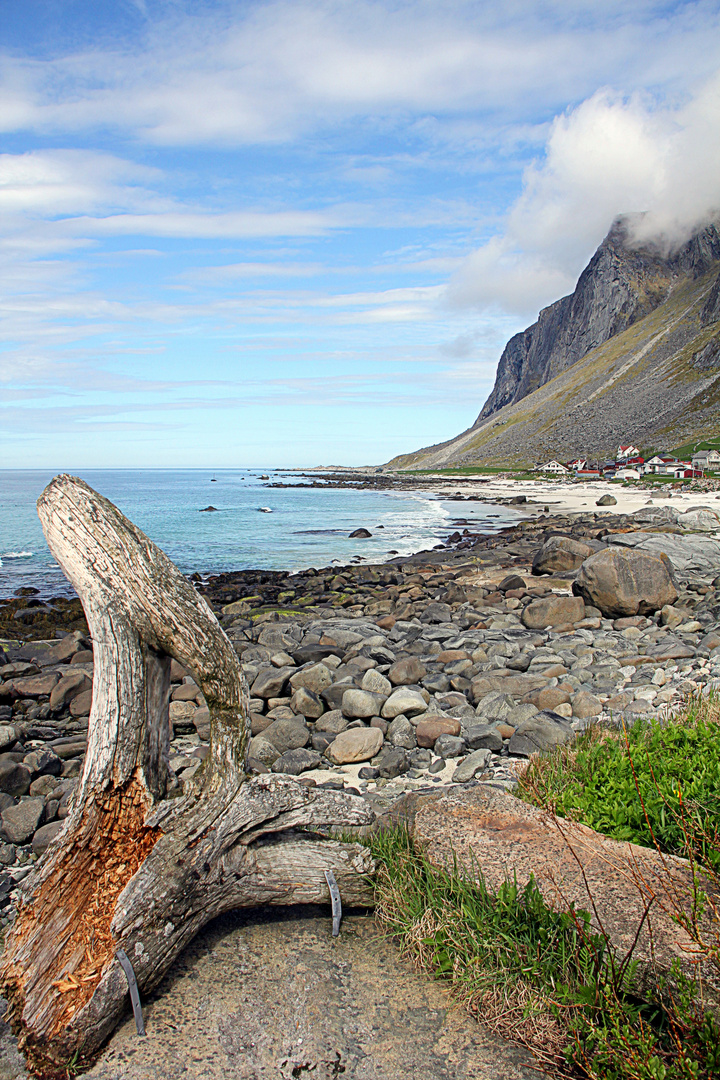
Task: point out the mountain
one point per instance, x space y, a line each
633 354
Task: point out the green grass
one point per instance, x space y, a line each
539 976
659 785
688 449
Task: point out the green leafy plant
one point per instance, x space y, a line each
657 784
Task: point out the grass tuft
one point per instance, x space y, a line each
656 784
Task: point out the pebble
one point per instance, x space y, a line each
392 677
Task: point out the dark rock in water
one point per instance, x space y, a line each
208 510
360 534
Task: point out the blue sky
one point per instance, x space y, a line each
299 233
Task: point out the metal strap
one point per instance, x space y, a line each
336 901
133 987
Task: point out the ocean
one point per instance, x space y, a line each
305 526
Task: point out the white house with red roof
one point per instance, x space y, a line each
628 451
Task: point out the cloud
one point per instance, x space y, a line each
611 154
234 225
54 182
263 72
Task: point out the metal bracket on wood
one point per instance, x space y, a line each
336 901
133 987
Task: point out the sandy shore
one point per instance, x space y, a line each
562 498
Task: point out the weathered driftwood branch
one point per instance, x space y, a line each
132 869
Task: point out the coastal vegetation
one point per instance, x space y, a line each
657 783
549 978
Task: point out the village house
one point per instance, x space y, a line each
553 467
588 474
707 460
625 452
659 462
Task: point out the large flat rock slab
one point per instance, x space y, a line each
271 995
492 833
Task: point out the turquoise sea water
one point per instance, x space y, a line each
306 527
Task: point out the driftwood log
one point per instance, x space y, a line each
133 869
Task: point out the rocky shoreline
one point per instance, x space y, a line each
449 667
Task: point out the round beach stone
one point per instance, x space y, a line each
450 746
496 706
407 671
43 762
473 764
484 737
519 714
263 751
354 744
540 732
306 703
332 722
553 611
362 704
15 779
376 683
270 682
188 691
294 762
585 705
201 720
20 822
45 835
316 679
622 581
430 729
402 733
561 554
68 688
549 697
392 761
287 734
408 702
81 705
8 735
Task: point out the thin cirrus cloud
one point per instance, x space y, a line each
269 71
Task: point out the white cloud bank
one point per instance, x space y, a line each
612 154
232 74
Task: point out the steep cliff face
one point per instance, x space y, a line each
621 284
632 355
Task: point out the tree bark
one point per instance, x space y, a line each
133 869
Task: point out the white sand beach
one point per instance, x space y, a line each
562 497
